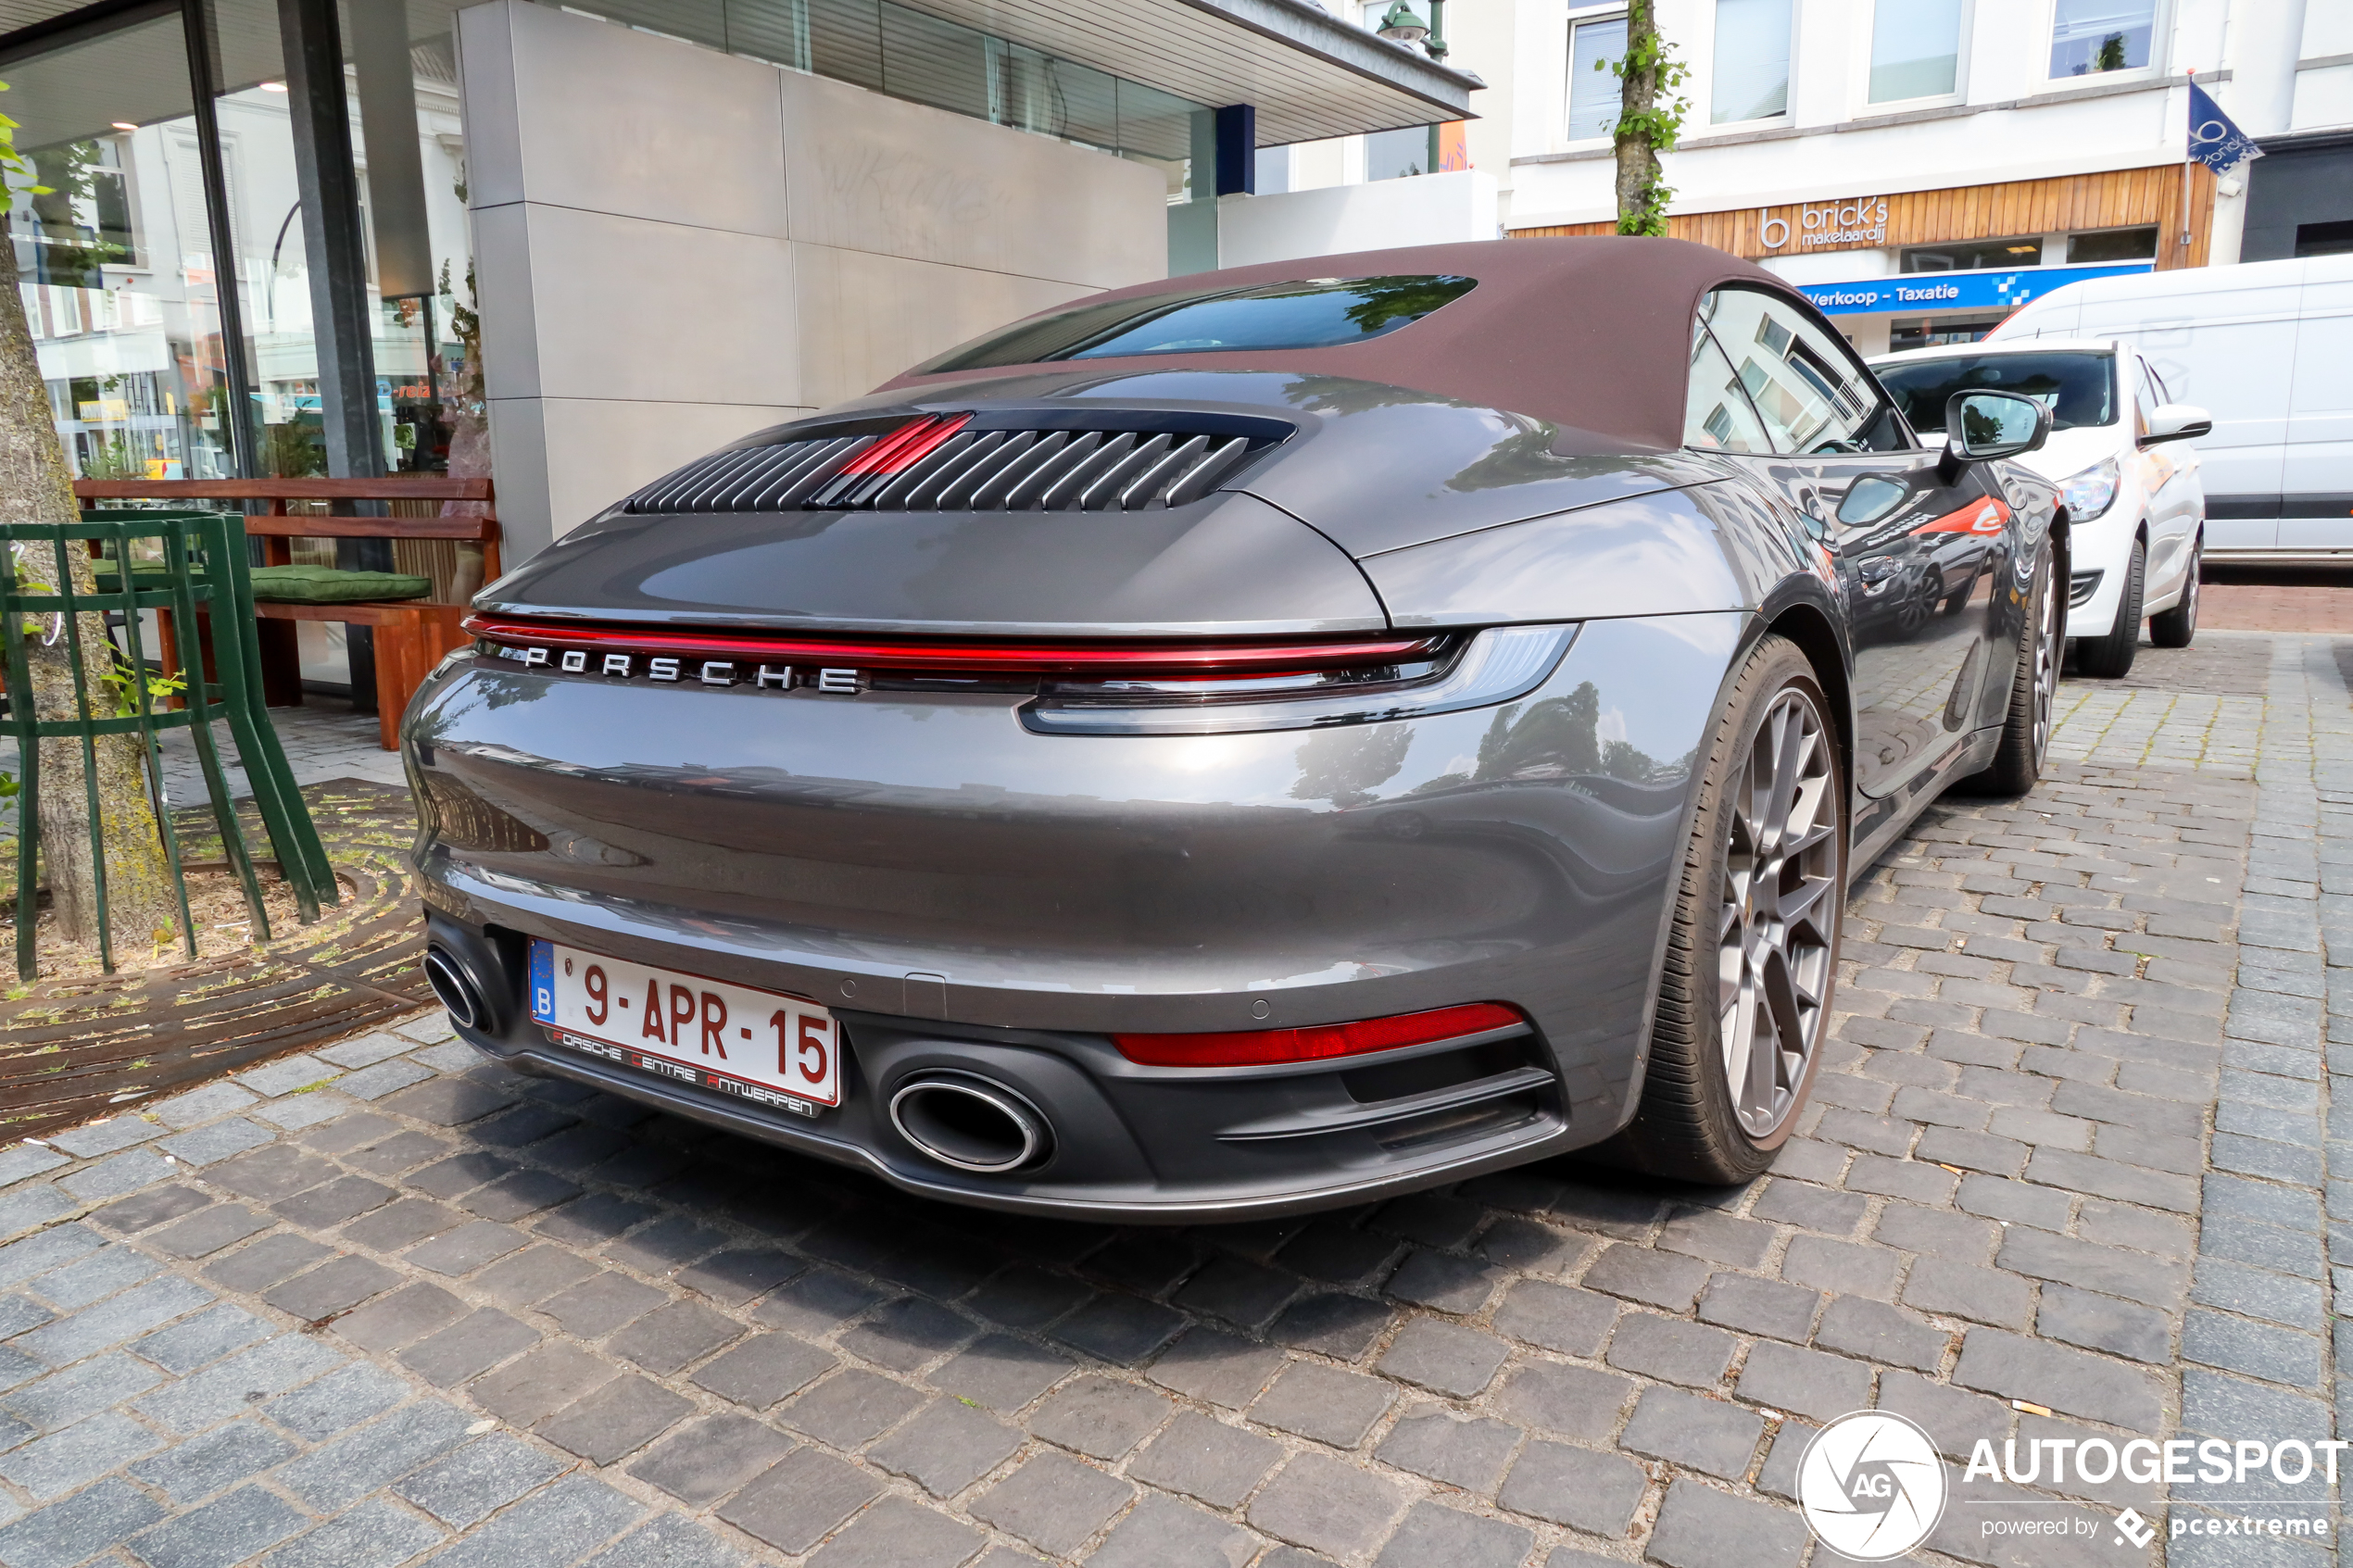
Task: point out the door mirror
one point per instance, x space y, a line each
2177 421
1982 425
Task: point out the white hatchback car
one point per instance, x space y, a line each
2136 511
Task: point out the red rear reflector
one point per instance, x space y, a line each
1259 1047
905 447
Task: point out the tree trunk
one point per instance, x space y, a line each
1642 200
36 486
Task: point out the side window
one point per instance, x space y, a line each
1717 416
1811 394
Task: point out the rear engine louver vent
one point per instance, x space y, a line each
926 467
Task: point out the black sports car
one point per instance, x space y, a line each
1250 742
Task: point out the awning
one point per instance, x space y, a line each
1309 73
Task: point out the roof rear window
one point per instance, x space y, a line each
1309 313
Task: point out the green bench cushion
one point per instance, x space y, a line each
143 576
330 586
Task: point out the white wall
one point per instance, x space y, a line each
702 245
1423 211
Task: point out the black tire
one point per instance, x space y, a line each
2177 627
2110 657
1694 1124
2026 724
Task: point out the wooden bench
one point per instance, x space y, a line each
410 634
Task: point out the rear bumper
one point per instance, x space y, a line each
1129 1143
844 851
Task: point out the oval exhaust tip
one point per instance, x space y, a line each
454 991
970 1123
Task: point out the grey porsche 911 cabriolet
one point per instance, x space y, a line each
1251 742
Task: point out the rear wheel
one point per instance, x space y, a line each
1751 959
2110 656
2174 628
2026 726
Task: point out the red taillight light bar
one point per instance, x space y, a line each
1098 660
1318 1042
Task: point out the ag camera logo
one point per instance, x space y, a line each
1871 1486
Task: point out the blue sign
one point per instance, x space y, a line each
1919 292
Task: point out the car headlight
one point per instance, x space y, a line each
2091 492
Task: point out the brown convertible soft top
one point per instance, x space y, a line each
1594 333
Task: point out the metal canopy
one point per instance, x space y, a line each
1309 73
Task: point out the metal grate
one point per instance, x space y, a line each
990 471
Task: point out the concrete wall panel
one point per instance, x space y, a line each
872 173
865 317
620 121
511 339
486 101
661 312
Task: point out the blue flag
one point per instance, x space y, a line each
2214 140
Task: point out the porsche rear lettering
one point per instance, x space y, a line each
707 673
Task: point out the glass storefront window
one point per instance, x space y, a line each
1930 333
2112 245
1975 256
1916 49
116 261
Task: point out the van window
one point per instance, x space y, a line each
2078 389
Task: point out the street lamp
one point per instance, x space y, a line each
1401 26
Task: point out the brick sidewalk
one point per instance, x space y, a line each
392 1302
2253 607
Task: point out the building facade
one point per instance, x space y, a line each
1921 167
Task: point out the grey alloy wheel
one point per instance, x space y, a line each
2050 650
1778 913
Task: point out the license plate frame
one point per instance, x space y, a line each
728 1053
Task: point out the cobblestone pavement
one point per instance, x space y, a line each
388 1302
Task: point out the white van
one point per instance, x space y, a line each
2267 348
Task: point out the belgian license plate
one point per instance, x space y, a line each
760 1045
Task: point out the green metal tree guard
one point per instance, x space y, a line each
203 580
